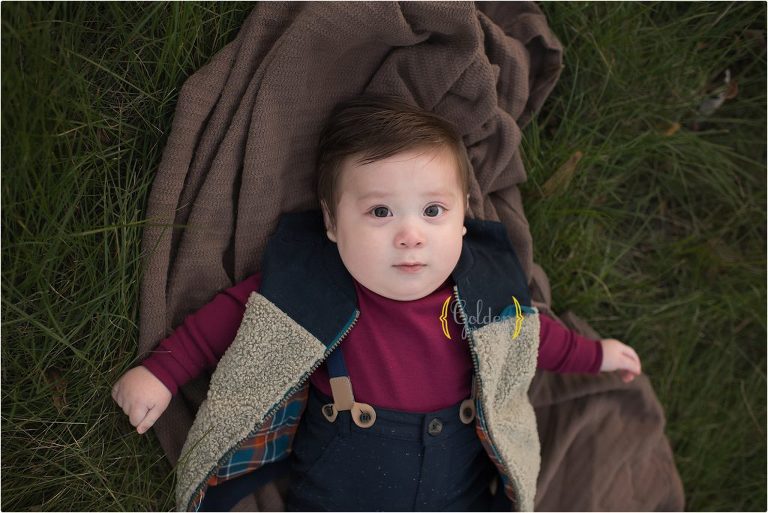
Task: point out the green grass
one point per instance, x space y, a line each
658 240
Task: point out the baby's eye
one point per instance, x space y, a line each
380 212
433 210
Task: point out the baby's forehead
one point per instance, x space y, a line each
364 192
436 167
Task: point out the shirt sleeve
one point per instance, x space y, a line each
200 341
563 350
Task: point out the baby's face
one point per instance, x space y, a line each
406 209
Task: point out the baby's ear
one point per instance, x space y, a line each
330 229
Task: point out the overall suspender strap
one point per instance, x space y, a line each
341 387
343 399
336 365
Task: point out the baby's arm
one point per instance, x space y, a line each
619 356
144 392
564 350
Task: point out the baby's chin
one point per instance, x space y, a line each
403 293
407 297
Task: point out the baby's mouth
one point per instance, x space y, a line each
410 267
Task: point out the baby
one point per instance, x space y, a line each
382 356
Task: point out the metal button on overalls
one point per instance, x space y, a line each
435 427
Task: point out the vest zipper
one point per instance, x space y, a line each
479 404
275 407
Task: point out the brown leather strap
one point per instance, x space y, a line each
341 388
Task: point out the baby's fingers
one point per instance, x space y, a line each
123 403
152 415
630 353
137 414
631 361
627 376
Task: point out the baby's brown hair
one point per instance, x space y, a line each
375 127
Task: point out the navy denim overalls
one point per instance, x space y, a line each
348 456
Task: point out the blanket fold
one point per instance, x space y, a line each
241 151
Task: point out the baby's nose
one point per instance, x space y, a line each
409 238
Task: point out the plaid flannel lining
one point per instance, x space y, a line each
270 443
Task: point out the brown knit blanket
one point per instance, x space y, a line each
241 152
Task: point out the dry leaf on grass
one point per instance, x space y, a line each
559 181
58 388
672 129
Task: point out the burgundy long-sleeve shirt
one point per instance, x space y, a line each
398 354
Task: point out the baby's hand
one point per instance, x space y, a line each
619 356
142 397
